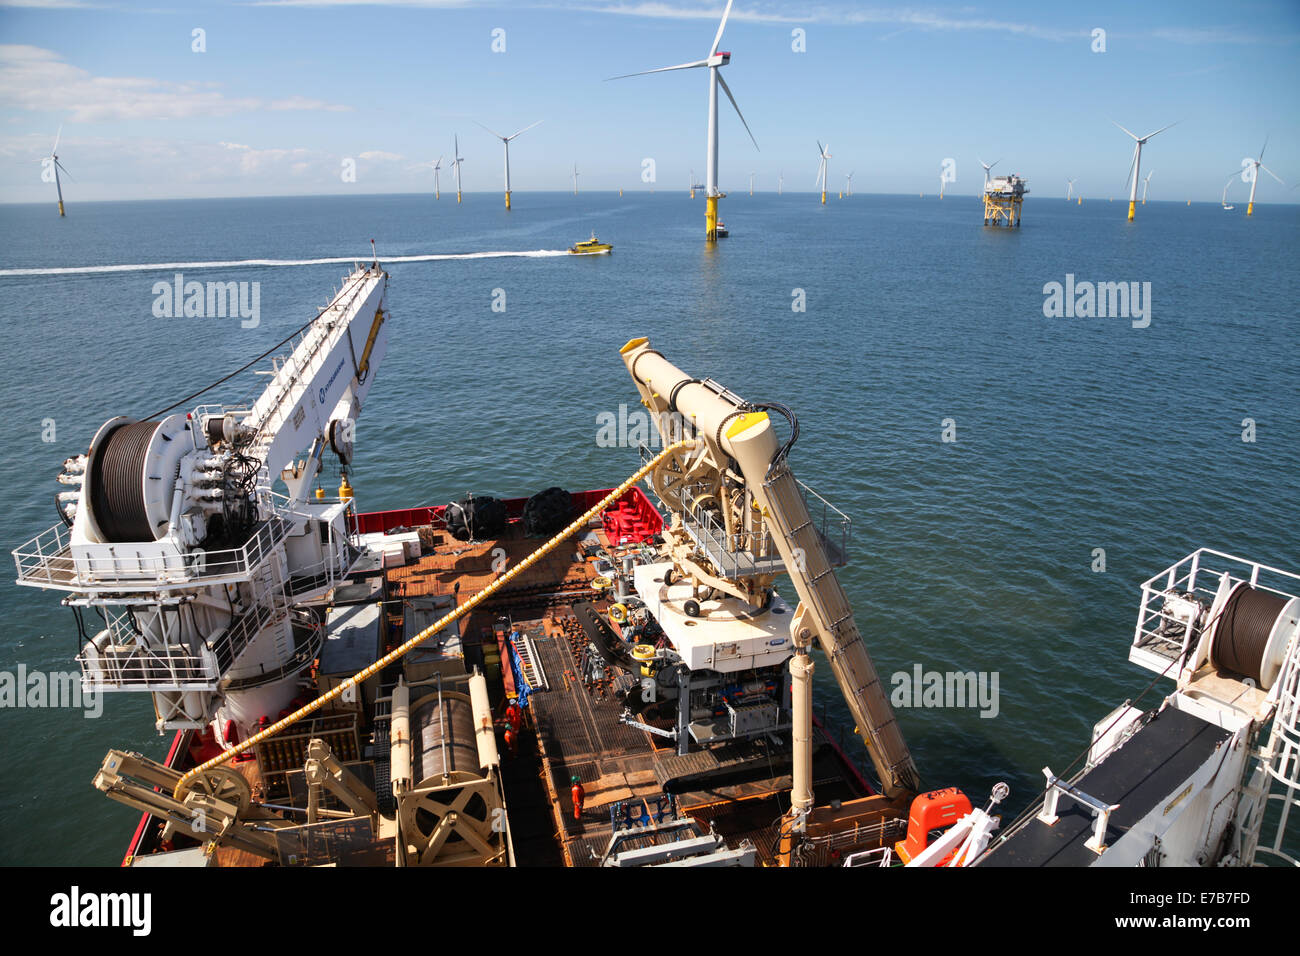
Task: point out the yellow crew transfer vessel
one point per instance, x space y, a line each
590 247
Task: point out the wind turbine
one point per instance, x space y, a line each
1145 183
457 159
943 181
437 191
780 181
575 179
1256 163
1069 192
1135 167
715 61
52 163
751 184
848 184
987 167
505 141
824 153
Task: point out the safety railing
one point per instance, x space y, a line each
48 560
127 660
743 554
1163 632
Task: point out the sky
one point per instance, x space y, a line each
276 97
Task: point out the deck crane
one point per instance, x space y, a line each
174 533
738 519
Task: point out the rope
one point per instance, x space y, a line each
454 615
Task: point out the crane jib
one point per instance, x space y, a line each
326 387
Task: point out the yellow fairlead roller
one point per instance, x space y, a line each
618 613
454 615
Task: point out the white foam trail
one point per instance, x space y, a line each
276 263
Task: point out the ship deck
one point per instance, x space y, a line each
572 728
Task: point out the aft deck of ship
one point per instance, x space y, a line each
572 726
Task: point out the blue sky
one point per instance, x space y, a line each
286 91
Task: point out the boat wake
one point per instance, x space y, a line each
276 263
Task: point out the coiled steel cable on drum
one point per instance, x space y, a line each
117 484
1245 625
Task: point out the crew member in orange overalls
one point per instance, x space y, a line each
514 717
578 794
511 741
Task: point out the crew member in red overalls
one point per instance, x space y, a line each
512 743
578 794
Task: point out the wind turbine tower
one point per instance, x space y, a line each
825 154
505 141
457 159
52 163
714 63
1257 163
1135 168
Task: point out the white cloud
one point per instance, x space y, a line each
379 156
33 78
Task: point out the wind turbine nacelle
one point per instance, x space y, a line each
721 58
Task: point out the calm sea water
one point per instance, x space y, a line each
1072 434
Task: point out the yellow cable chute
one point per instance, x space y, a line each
437 626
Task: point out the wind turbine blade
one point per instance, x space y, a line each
1260 157
721 26
726 89
821 150
56 140
1161 129
492 131
69 175
1270 172
1129 131
662 69
524 130
1129 177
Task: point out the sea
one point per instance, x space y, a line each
1013 469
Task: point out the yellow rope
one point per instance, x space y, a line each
434 628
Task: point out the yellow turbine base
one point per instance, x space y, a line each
823 197
1132 209
457 195
1250 209
1080 201
507 200
60 207
711 218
